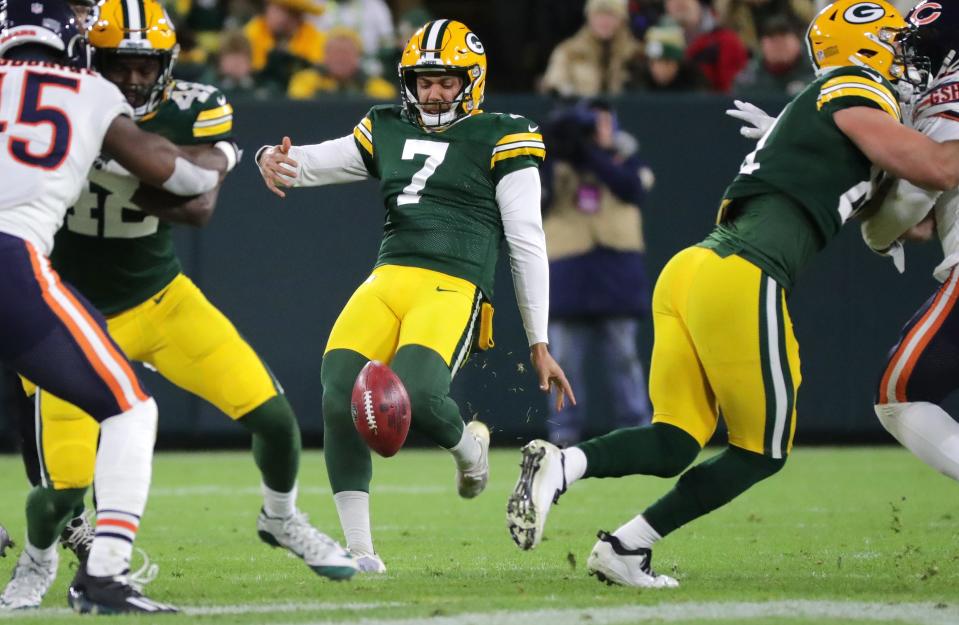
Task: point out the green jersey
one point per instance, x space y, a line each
439 188
804 179
110 250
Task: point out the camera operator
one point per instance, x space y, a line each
593 183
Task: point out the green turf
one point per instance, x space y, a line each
864 525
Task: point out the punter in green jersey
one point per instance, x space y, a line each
724 343
456 182
116 248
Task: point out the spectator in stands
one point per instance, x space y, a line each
372 21
594 182
643 15
666 68
781 67
747 16
717 50
341 72
282 42
234 68
600 59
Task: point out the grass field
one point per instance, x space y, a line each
866 535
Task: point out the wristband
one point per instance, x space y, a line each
189 179
230 151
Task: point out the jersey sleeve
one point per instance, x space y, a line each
857 87
111 103
214 118
519 145
363 136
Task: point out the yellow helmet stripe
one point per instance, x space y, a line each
862 87
134 18
433 39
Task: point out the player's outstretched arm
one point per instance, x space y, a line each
330 162
901 151
155 160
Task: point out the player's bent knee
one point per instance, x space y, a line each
889 414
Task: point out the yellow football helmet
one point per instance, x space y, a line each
443 47
857 32
136 28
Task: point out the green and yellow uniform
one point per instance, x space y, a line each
123 260
428 299
723 331
442 232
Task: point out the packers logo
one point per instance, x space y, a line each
864 13
474 44
925 13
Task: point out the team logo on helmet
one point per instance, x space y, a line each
864 13
925 13
474 44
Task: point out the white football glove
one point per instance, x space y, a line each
759 121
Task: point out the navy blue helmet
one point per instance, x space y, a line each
931 38
51 23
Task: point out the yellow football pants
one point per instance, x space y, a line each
724 343
399 306
190 343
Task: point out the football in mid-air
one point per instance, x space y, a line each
380 408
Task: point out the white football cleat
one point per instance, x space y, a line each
472 481
30 581
369 563
542 480
320 552
613 563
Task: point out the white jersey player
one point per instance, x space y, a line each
923 367
55 114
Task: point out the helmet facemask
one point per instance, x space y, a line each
145 97
455 108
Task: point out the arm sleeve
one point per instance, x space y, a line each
331 162
903 207
517 195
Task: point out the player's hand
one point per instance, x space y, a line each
922 231
550 374
277 168
759 121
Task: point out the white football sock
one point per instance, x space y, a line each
122 482
467 451
42 555
353 507
574 460
637 534
927 431
277 504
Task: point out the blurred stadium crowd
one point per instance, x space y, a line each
307 49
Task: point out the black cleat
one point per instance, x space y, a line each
110 595
77 536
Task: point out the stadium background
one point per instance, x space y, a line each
282 269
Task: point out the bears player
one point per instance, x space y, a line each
456 181
116 247
923 367
723 337
55 115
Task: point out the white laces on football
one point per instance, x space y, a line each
81 534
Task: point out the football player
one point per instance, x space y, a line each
116 247
55 115
723 337
456 181
923 367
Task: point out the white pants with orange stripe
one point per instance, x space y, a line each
922 369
